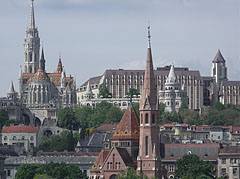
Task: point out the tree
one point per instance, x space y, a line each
61 142
189 116
103 91
113 115
191 165
84 116
136 107
3 117
99 113
132 92
42 176
52 170
66 119
130 173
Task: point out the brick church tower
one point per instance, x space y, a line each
148 161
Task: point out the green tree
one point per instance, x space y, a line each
61 142
53 170
42 176
189 116
191 165
130 173
132 92
218 106
84 116
66 119
114 115
103 91
3 117
136 107
169 117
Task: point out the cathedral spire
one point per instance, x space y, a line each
32 18
59 67
149 95
42 61
11 88
172 77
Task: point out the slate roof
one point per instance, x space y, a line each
219 58
128 127
230 83
7 151
20 129
228 150
206 151
93 80
74 160
106 128
125 156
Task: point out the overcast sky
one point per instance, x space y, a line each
95 35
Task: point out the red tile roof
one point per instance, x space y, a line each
20 129
128 127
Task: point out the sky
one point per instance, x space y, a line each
95 35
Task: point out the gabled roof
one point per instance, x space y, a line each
20 129
218 58
100 160
128 127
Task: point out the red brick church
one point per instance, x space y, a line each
135 142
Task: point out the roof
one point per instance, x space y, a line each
228 150
218 58
128 127
93 80
40 76
230 83
125 156
100 160
20 129
206 151
106 128
7 151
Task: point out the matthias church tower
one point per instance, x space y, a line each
31 45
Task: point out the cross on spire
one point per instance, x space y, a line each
149 37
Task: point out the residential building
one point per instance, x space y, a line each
27 136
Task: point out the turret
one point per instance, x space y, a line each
11 92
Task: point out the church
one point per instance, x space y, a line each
136 141
42 92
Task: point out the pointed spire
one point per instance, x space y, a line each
63 79
172 77
88 90
11 88
149 94
59 67
32 18
42 61
219 57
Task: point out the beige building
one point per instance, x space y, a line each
229 162
26 136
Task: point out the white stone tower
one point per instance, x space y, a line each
219 69
31 45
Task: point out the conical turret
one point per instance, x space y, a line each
11 91
172 77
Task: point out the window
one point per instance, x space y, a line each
234 171
5 138
31 138
171 168
223 161
223 171
8 172
146 145
23 137
153 118
146 118
14 138
141 118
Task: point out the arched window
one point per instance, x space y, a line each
153 118
30 56
141 118
30 69
146 145
146 118
5 138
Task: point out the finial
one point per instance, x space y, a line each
60 57
149 35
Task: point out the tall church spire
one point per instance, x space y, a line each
31 45
149 95
148 161
42 61
32 18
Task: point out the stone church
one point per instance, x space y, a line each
42 92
